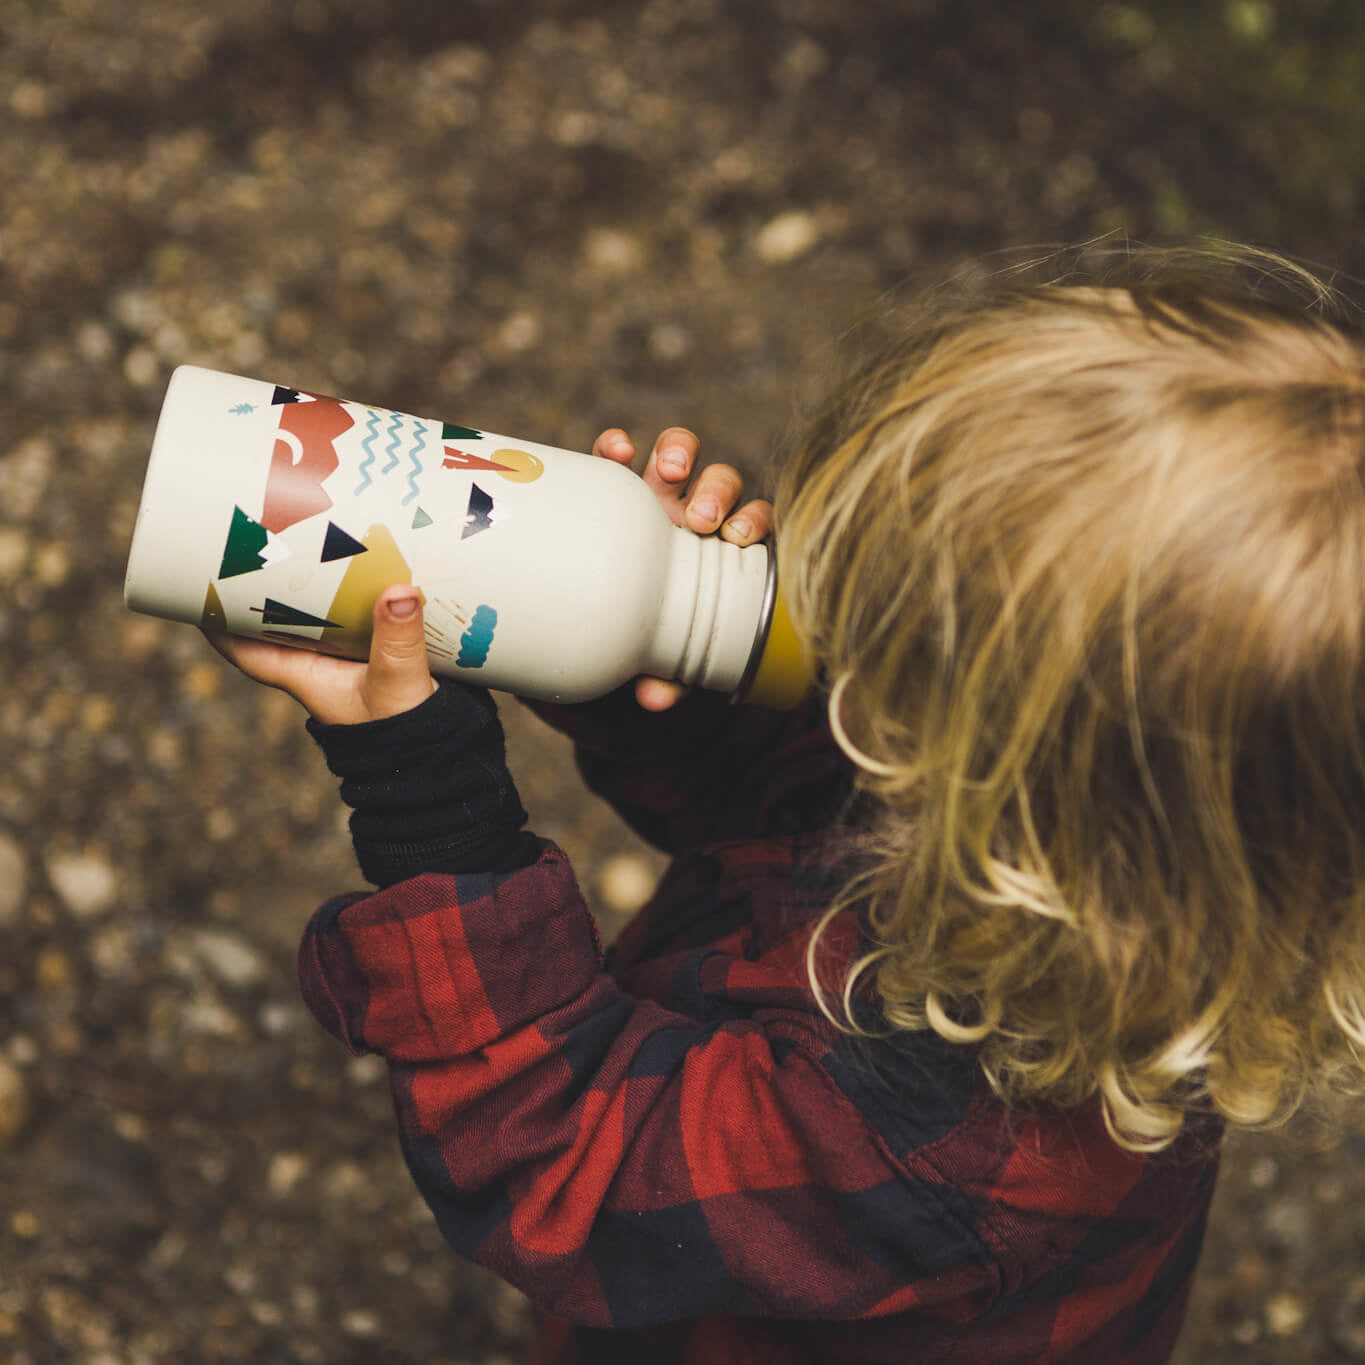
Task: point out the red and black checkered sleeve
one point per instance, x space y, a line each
621 1161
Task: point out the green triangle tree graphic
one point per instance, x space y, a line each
245 541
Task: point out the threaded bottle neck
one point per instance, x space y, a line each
711 612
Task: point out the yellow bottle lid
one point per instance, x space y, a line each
779 674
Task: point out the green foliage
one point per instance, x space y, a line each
1285 77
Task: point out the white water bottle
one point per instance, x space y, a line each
275 513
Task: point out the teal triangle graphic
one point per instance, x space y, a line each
278 614
450 432
420 520
338 545
245 541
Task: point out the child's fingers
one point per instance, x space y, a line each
708 504
749 524
613 444
325 686
270 664
671 463
658 694
397 676
717 489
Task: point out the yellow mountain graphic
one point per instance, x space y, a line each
353 606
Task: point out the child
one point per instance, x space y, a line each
923 1049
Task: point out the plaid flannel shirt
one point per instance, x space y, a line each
676 1156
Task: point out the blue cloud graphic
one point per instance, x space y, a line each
475 641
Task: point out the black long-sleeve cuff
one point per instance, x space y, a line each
429 789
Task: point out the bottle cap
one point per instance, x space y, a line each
779 674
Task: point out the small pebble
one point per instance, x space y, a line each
23 1051
240 1278
360 1322
287 1169
266 1313
204 681
85 881
30 99
278 1018
141 368
786 237
1285 1314
626 881
344 1181
519 333
367 1070
220 824
611 252
669 341
206 1017
52 565
131 1127
230 959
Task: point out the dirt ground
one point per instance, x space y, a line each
540 218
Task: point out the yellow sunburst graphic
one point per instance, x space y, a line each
519 466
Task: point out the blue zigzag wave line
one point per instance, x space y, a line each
367 446
391 450
416 463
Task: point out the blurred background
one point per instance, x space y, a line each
542 218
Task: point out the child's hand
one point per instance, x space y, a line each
343 691
708 506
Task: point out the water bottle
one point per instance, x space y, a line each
279 514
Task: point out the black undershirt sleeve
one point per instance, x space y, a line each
429 789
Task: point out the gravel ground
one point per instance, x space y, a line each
541 218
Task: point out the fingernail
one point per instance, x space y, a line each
706 510
673 461
403 608
737 526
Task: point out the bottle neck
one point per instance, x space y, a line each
711 613
722 624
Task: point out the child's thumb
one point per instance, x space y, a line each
398 676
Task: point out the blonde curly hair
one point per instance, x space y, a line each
1085 561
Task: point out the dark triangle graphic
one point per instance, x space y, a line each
245 541
283 395
450 432
338 545
214 617
278 614
479 516
420 520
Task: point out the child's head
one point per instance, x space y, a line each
1086 565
